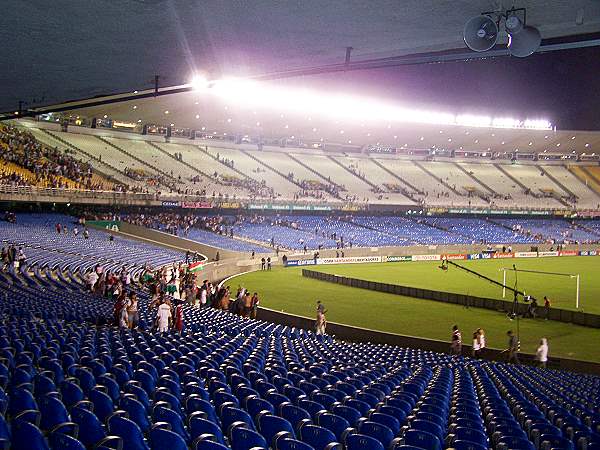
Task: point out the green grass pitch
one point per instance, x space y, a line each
286 290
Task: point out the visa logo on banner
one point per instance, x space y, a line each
300 262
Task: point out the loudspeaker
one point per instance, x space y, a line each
481 33
524 42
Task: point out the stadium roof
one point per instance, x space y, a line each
63 50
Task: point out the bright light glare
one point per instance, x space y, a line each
199 82
252 94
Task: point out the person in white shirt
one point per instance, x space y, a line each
203 296
476 346
163 316
91 279
541 355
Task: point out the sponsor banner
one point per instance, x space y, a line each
547 254
503 255
170 204
350 260
569 253
195 205
479 256
300 262
454 256
399 258
229 205
588 253
426 257
285 207
306 262
526 254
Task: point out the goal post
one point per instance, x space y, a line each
575 276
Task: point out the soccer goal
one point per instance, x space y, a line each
573 276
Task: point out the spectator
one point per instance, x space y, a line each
541 355
482 342
262 263
133 316
547 306
321 322
268 263
513 348
179 321
456 341
255 302
163 316
476 346
532 308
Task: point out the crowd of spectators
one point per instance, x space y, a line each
174 286
50 167
12 178
169 222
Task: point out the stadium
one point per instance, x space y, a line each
300 226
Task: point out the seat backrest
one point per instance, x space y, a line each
254 405
422 439
103 403
270 425
347 412
292 444
162 414
129 431
161 438
53 412
389 421
137 412
316 436
209 445
293 413
362 442
199 426
378 431
64 442
26 436
337 424
91 430
230 415
20 400
245 439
